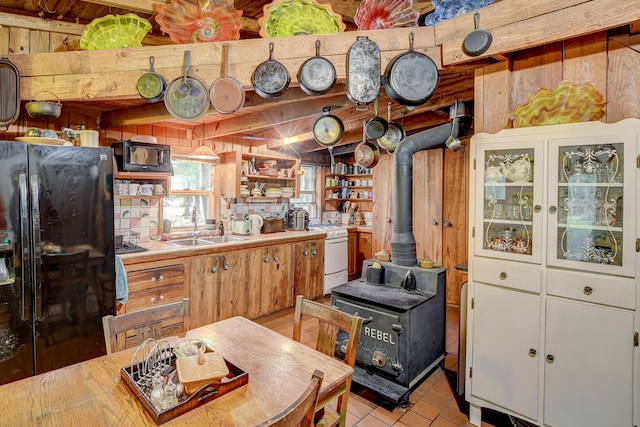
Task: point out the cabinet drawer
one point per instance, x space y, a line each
154 277
153 297
508 274
596 288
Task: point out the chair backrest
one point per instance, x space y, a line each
330 322
143 324
300 412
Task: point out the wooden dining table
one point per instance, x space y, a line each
92 393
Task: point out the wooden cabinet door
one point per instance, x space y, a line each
353 269
268 280
232 268
203 296
505 348
588 365
364 249
308 269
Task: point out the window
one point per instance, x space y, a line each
191 185
307 199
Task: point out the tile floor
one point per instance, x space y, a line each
433 403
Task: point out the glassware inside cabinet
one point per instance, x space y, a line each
508 200
590 190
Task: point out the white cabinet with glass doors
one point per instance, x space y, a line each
553 290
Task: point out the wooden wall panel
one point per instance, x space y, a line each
492 98
533 69
623 78
18 40
585 61
382 205
427 203
4 41
39 42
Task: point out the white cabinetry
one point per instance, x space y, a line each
553 275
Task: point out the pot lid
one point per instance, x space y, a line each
328 129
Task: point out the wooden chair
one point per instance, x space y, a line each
330 322
144 324
300 412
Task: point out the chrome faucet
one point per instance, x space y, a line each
194 215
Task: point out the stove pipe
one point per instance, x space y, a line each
403 243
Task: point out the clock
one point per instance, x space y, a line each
328 129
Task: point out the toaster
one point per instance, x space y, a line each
273 225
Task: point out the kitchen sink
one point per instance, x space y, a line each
222 239
191 242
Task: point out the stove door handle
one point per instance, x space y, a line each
397 327
364 320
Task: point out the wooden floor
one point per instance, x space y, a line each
433 403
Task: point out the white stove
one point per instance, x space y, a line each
335 255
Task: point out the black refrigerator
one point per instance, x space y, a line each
57 275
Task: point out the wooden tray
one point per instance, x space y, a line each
236 378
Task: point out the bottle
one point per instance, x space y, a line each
157 392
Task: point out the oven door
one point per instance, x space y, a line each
335 263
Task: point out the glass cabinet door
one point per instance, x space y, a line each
508 215
589 200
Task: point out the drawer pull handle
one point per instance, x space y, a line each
153 299
154 279
266 259
161 277
305 252
588 290
550 358
537 208
225 266
552 209
313 252
503 276
275 258
214 269
532 352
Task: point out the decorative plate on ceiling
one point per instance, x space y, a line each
567 103
114 32
445 9
383 14
197 21
283 18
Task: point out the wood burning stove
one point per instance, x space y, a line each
403 336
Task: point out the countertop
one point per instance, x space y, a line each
163 250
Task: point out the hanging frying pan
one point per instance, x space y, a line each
377 126
328 129
395 133
366 153
411 77
151 85
316 75
270 79
186 98
226 93
363 72
477 41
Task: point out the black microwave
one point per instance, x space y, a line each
134 156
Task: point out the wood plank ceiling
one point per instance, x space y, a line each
296 111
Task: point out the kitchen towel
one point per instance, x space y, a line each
122 287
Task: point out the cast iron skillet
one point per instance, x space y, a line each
316 75
477 41
226 93
411 77
270 79
151 85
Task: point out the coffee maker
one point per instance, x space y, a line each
297 219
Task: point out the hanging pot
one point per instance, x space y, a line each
411 78
395 133
328 129
366 153
270 79
10 99
317 75
377 126
477 41
186 98
44 110
363 72
226 93
151 85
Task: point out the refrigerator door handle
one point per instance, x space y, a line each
25 298
37 251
